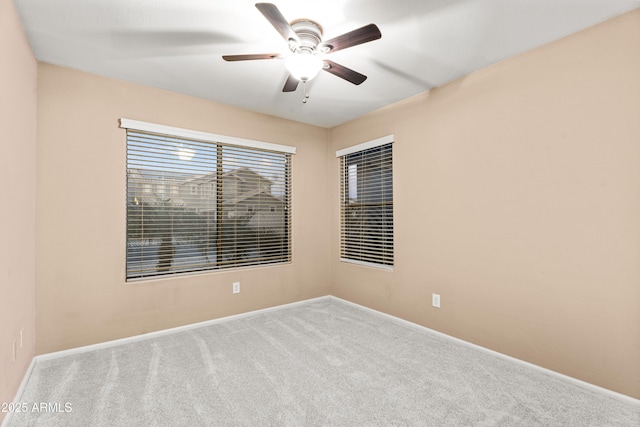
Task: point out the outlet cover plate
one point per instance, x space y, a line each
435 300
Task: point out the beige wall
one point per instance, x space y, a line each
82 295
18 199
517 199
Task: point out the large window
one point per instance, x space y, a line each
199 202
366 203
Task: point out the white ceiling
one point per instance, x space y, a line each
177 45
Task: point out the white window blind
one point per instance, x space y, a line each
196 205
366 211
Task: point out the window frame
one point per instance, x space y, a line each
345 178
235 145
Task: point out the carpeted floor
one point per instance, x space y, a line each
320 363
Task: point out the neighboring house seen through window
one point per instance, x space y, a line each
366 203
238 216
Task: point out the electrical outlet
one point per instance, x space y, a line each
435 300
236 287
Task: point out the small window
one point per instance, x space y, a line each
366 208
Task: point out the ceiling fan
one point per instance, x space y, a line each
304 37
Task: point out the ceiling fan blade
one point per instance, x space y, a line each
353 38
291 84
273 15
344 73
251 57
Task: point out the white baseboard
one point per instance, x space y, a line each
142 337
558 375
18 397
117 342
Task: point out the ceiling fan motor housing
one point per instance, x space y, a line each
310 34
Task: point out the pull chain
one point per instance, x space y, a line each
306 95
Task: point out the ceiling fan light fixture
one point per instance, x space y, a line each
308 49
303 65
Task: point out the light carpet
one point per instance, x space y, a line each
321 363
